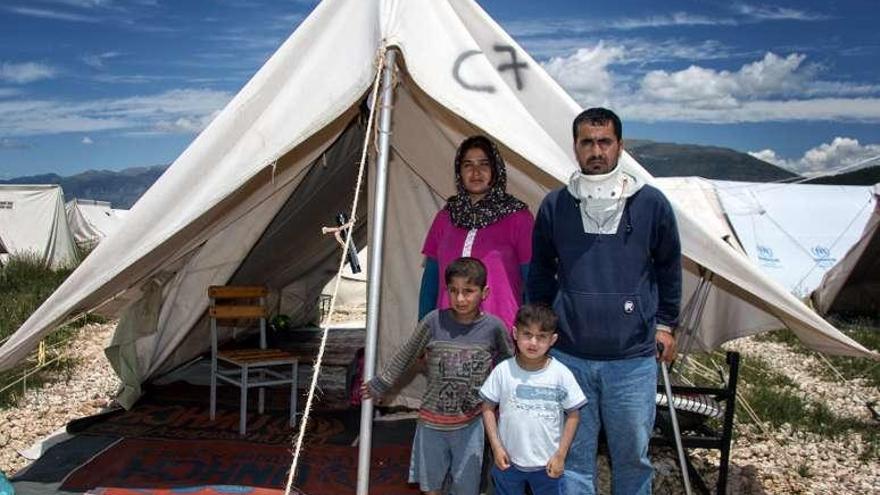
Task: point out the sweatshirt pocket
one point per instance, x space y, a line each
606 324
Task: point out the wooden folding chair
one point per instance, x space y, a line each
247 368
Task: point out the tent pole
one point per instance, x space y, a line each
374 276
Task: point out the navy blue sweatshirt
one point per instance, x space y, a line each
610 291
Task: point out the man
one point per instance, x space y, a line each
606 254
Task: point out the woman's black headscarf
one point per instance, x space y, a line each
496 204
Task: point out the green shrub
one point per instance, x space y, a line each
25 282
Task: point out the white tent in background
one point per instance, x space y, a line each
697 196
91 221
32 221
853 284
795 232
245 202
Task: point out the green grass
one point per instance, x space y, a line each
866 331
776 400
25 283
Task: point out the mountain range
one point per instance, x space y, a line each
123 188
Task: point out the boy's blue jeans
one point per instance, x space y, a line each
620 396
512 481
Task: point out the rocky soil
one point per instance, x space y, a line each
763 462
86 389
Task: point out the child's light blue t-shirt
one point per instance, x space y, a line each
532 406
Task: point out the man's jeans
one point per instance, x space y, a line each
620 397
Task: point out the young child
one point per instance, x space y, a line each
461 344
534 392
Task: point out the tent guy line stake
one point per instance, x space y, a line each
316 368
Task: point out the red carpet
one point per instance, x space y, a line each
198 490
160 465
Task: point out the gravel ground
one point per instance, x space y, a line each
778 461
44 410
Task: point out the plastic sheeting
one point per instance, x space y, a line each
796 232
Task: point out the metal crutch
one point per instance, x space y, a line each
685 475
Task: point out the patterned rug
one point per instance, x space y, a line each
220 466
180 411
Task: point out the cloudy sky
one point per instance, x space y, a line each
110 84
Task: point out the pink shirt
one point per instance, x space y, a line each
502 246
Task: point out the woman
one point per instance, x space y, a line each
482 221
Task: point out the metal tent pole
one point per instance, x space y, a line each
374 276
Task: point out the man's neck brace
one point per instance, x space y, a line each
602 198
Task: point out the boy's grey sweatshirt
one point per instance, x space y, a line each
459 359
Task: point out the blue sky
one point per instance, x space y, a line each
110 84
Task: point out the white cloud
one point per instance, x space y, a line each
25 72
96 60
585 73
556 26
51 14
87 140
773 13
635 50
185 125
84 4
666 20
13 144
773 75
773 88
769 156
841 154
7 92
186 110
842 109
741 13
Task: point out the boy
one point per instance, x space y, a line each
461 344
534 392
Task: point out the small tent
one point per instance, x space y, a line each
697 196
245 202
795 232
853 284
32 221
91 221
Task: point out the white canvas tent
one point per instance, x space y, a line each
245 202
32 221
853 284
795 232
91 221
697 196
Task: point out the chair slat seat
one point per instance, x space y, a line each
250 356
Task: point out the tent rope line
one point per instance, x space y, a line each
26 372
836 240
325 325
